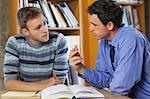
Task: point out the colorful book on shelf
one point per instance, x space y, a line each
48 14
128 14
23 3
136 19
56 14
52 12
65 15
126 18
61 17
69 14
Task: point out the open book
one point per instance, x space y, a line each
56 92
63 92
20 95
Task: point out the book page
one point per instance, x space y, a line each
84 92
19 94
55 92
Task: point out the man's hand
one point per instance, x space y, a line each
54 80
76 60
51 81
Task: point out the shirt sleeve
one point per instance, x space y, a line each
61 60
11 60
129 70
101 76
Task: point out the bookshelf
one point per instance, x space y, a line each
74 5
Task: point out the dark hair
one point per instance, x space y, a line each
107 10
27 13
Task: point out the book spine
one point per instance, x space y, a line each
49 4
71 14
50 20
65 15
56 15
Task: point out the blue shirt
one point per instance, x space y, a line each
131 72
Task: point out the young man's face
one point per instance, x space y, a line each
37 30
98 30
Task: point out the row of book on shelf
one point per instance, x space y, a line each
60 15
131 17
57 15
129 1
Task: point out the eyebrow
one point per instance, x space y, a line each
94 24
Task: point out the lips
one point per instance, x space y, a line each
44 35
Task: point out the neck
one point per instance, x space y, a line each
112 34
33 42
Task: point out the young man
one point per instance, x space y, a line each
34 57
123 60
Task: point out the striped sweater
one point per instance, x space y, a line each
26 62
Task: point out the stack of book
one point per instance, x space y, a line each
57 15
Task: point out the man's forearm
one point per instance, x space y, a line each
17 85
42 81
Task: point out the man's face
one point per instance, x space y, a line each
37 30
98 30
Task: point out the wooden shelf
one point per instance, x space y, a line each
132 4
65 29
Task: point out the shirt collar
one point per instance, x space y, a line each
117 36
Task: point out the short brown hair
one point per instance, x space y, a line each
27 13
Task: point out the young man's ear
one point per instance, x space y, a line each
24 31
110 26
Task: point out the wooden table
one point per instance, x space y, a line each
106 94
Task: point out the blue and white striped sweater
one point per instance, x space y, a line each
28 63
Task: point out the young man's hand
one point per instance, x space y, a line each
76 60
54 80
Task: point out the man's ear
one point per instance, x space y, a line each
24 31
110 26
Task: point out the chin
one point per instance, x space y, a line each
97 37
44 40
